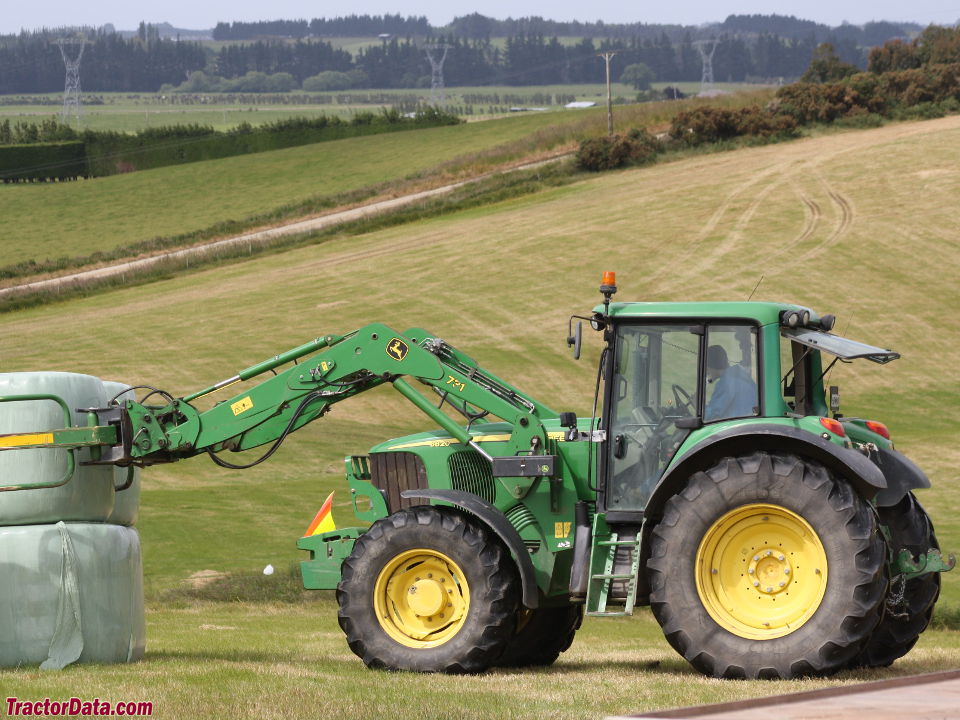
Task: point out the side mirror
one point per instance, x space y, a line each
575 340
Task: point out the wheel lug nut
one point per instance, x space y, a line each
769 553
756 583
751 571
786 571
756 557
782 584
769 589
780 558
713 571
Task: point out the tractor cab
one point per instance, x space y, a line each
678 374
667 379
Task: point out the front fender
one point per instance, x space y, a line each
496 521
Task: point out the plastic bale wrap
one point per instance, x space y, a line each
126 504
89 495
71 592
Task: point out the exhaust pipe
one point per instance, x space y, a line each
580 568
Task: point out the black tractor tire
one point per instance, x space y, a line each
909 603
541 636
433 550
779 499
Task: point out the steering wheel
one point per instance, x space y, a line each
683 400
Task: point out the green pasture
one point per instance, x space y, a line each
50 221
130 112
132 118
859 224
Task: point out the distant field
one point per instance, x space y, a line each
71 219
128 112
499 282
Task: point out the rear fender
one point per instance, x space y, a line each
865 477
901 473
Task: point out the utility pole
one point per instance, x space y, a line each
606 58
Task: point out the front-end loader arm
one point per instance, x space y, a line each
325 371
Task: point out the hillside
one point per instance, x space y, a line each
49 221
499 282
860 224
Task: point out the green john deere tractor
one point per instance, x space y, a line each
717 483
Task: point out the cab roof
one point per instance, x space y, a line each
763 313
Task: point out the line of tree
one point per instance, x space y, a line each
476 26
349 26
31 62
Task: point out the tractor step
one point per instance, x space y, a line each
609 570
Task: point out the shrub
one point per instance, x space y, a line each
613 151
813 102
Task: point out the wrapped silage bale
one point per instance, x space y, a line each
89 495
71 592
126 504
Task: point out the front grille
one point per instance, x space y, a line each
469 472
394 472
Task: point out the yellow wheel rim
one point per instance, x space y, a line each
761 571
421 598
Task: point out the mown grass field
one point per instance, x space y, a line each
861 224
49 221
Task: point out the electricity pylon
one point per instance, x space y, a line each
71 90
706 78
438 94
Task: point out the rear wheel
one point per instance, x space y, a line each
541 636
766 566
428 589
909 603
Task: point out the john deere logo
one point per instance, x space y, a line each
397 349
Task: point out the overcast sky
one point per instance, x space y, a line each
189 14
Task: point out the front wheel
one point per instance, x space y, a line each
766 566
428 589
